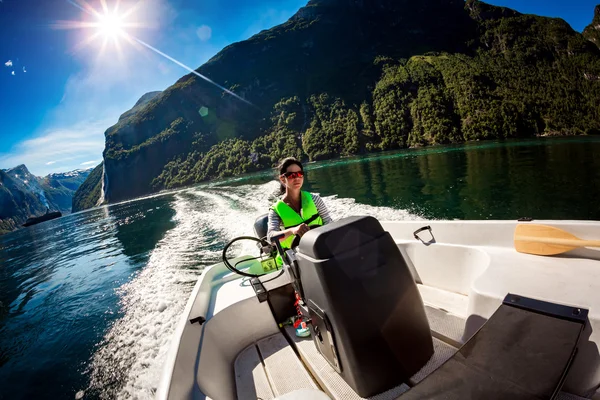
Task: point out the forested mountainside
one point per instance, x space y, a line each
88 194
23 195
343 77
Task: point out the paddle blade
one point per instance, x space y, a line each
526 234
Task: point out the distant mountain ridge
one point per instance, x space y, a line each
23 195
67 175
345 77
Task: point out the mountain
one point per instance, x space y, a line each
17 201
23 194
60 187
88 194
344 77
592 31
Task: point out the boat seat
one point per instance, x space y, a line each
261 226
523 351
268 369
333 384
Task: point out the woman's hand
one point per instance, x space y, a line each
300 230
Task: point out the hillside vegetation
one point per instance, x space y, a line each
88 193
344 77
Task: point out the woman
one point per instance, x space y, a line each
296 210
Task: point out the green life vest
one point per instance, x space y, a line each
291 218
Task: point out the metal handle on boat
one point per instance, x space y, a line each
275 240
425 228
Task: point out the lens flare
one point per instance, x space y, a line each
114 25
106 25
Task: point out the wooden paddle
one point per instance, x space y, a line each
545 240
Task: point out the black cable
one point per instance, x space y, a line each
275 277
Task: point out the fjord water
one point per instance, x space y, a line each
543 179
88 302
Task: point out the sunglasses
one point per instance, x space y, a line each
294 175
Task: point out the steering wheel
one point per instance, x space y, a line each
296 241
232 268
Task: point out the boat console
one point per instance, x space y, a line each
375 335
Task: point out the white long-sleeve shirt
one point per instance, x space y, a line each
275 223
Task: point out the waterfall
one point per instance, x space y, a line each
41 195
104 186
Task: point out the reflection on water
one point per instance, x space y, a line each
57 290
553 179
140 228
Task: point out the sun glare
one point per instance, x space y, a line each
110 25
113 25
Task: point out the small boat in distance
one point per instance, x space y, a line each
46 217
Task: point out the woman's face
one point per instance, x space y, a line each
293 177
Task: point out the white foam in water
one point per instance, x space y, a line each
135 348
340 208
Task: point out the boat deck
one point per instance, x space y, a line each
283 363
463 274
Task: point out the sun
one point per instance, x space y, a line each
111 25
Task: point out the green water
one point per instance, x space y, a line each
543 179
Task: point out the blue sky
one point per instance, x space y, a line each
58 96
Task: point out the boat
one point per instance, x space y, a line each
398 310
43 218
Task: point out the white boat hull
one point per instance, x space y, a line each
465 269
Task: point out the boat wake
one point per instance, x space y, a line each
128 362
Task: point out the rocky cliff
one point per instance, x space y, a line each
145 99
327 46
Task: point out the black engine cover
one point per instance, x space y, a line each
368 317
